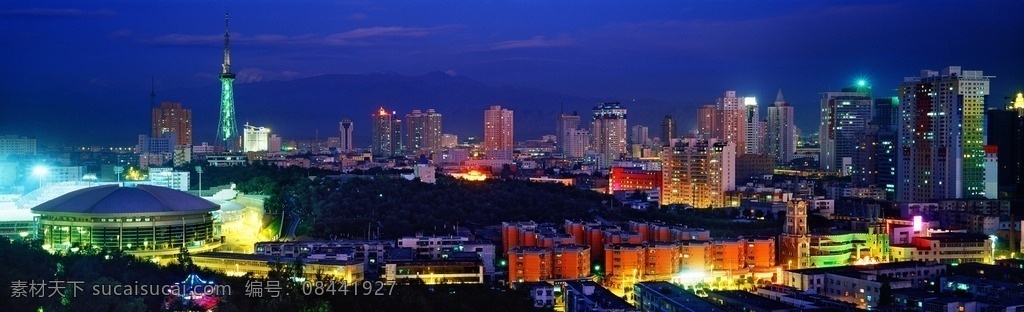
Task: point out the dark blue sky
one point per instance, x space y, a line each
678 52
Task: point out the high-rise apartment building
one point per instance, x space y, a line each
886 117
171 117
423 132
780 139
381 138
498 132
17 145
709 122
345 128
698 172
754 127
397 139
940 154
608 128
577 143
565 125
844 116
734 121
668 129
1006 131
255 139
638 134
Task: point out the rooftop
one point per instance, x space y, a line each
115 199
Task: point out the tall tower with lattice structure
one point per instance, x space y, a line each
227 132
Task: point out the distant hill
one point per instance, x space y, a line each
298 108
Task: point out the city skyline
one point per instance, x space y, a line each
117 52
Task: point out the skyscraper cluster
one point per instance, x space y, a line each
941 137
421 134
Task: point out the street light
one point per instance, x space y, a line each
40 172
199 169
117 172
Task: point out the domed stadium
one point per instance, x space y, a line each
141 219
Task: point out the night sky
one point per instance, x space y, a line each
678 52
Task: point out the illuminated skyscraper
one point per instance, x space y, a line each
754 126
844 116
698 172
227 133
381 128
171 117
423 132
255 139
780 141
940 154
734 122
498 129
346 128
564 127
668 129
609 130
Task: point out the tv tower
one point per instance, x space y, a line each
227 133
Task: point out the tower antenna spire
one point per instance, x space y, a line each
227 132
152 91
227 46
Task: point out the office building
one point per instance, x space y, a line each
844 116
255 139
577 143
733 120
709 122
162 144
498 130
940 154
17 145
633 179
638 135
382 134
171 117
1006 131
345 128
565 125
698 173
608 128
754 126
947 248
423 132
780 139
668 129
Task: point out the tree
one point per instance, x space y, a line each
185 260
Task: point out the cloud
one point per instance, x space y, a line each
254 74
56 12
358 17
121 33
389 31
357 37
535 42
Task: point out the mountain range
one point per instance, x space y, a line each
310 107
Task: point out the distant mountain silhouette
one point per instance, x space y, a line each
296 109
